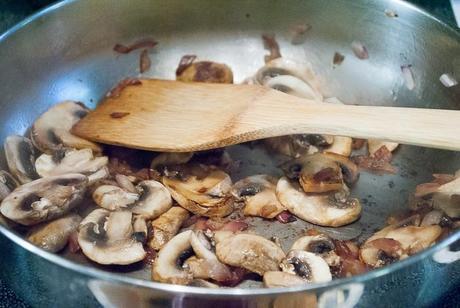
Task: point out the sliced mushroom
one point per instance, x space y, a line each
341 146
167 225
291 85
51 131
320 209
278 279
397 243
166 159
167 267
53 236
108 238
283 66
126 183
154 199
44 199
206 265
252 252
202 190
201 283
20 156
292 146
319 172
259 195
98 176
74 161
374 145
7 184
307 266
320 245
140 228
113 197
206 71
445 195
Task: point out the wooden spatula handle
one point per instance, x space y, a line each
415 126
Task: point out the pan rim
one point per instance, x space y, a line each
95 273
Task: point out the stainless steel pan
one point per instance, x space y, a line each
65 52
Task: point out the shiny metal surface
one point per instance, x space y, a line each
65 53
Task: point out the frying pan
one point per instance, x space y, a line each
65 52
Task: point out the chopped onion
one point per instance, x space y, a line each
391 13
144 61
298 33
272 46
338 58
448 81
144 43
359 50
408 76
115 92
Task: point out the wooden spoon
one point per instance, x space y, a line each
172 116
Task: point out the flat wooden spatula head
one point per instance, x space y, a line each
174 116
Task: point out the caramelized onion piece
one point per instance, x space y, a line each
272 46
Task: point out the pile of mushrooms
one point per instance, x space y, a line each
187 212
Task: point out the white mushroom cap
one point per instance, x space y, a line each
319 209
20 157
259 195
306 265
44 199
51 130
74 161
113 197
166 268
252 252
53 236
107 238
278 279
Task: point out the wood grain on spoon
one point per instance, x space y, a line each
173 116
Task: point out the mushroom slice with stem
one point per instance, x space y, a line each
301 71
206 265
154 199
107 238
291 85
307 266
291 145
445 194
166 159
321 245
44 199
7 184
397 243
203 190
113 197
167 225
140 228
74 161
206 71
167 267
20 157
373 145
325 210
259 195
51 131
252 252
278 279
54 235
